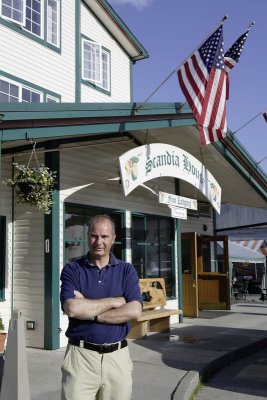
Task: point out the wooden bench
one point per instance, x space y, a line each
154 317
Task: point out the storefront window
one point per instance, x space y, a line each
152 248
76 221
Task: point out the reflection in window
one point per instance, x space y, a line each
76 223
153 248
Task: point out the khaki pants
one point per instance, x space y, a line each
88 375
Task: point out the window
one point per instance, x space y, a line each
76 221
13 10
153 248
51 99
34 17
13 93
96 64
53 22
31 14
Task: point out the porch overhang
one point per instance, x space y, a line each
241 179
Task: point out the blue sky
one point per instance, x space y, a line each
171 29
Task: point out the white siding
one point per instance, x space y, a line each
120 65
29 270
28 267
6 210
55 71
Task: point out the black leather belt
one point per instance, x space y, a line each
100 348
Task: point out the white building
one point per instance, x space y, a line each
81 54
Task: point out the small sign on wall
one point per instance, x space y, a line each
178 212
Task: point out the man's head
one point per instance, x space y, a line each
101 236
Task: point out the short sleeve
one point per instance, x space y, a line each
132 288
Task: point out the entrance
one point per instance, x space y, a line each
205 273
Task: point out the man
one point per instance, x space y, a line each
100 294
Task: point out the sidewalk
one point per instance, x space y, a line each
169 366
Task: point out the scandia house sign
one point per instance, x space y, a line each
154 160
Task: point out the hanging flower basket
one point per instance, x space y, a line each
34 186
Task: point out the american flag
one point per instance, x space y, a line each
202 78
232 56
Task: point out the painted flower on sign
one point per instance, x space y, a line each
131 167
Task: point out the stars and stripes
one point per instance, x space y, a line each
202 78
232 56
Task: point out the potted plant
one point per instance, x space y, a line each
3 335
34 186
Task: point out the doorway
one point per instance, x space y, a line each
205 266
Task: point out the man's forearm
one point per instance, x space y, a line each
126 312
85 309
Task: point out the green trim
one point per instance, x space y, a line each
52 263
48 132
243 171
78 54
125 29
45 92
2 257
43 41
179 259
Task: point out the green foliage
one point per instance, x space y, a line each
34 186
2 326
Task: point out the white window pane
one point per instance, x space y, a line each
33 17
53 21
9 93
92 61
13 9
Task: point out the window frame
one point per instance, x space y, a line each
15 21
97 83
44 94
57 23
43 37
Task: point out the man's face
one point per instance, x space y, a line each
100 239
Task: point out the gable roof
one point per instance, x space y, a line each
114 24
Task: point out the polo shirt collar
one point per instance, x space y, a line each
112 260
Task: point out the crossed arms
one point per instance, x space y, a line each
109 310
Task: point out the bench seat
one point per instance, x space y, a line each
155 319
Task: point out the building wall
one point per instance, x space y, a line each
32 62
29 60
120 64
6 210
25 250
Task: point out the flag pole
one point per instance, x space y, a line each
176 69
264 158
248 122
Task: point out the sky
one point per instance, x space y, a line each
170 30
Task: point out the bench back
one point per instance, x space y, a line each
153 292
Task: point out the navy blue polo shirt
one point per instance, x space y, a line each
117 279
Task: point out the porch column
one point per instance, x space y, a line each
52 261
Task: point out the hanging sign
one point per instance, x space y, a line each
177 201
155 160
178 212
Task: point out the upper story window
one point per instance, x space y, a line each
31 15
96 64
53 22
14 92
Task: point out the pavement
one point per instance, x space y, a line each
171 365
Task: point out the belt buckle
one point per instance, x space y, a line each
106 348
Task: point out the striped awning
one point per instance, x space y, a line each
257 245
